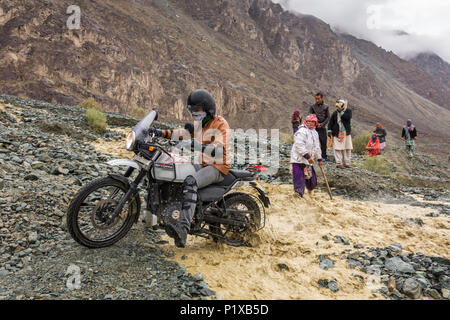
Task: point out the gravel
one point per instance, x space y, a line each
43 162
405 276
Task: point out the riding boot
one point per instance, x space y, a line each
180 230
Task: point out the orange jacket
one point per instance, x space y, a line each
216 132
373 147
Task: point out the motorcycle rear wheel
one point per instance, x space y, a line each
229 234
94 213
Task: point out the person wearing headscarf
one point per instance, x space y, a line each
373 147
305 151
381 134
296 120
409 135
339 129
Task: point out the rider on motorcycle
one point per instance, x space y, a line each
210 134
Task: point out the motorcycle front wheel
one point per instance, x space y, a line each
88 219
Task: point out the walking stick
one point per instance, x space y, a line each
326 182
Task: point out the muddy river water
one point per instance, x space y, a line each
293 238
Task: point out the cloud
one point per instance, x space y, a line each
406 27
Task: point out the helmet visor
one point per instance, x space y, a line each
194 108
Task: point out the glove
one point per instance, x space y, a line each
189 127
155 131
194 145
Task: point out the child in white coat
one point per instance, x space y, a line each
305 151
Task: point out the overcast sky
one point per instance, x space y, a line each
427 22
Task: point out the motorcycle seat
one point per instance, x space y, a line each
215 191
242 174
211 193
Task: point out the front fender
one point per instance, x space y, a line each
123 162
136 194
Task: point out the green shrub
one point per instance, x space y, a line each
288 139
360 142
96 120
377 164
138 113
89 103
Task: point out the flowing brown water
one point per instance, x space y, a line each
293 237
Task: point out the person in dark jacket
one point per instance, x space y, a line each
296 120
409 135
320 109
340 129
381 134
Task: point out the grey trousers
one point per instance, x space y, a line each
203 177
207 175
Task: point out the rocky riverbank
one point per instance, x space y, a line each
45 157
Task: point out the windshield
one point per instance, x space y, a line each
142 126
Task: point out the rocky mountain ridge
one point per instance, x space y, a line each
434 65
259 61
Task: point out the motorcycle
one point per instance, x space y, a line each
103 211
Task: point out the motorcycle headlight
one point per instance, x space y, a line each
130 140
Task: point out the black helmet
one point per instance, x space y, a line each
201 99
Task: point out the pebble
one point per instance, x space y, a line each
175 292
207 292
441 260
445 293
33 237
37 165
31 177
203 285
341 239
396 294
333 286
63 171
412 288
424 283
322 283
396 264
432 214
282 267
372 269
198 277
395 248
433 293
326 264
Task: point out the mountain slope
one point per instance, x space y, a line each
259 61
435 66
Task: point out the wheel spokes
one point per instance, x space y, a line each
93 216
